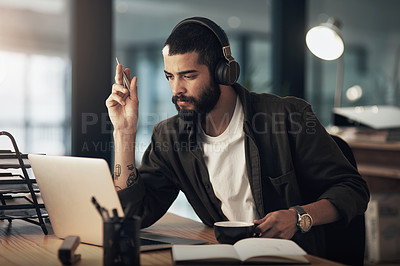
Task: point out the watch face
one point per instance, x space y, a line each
305 222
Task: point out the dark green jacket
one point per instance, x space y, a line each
291 160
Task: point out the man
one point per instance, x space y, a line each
236 155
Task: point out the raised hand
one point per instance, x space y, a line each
123 106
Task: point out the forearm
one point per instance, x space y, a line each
124 166
322 212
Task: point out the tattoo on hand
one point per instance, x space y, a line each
130 167
131 179
117 171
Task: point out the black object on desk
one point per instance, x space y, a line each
121 237
122 241
67 250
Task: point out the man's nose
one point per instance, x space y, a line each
177 87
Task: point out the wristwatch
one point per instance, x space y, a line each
304 220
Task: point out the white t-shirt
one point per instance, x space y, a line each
225 158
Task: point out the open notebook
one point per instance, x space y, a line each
245 251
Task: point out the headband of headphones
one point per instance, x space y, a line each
218 32
225 74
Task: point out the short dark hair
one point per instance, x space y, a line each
193 37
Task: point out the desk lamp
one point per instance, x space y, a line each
326 43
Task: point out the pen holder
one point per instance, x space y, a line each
121 241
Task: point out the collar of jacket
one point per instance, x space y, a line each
252 152
187 129
245 98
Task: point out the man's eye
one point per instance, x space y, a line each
188 76
168 77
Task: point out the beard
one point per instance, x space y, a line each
204 104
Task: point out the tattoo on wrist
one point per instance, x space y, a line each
117 171
130 167
131 179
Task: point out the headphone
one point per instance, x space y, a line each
227 69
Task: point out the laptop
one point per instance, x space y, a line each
67 185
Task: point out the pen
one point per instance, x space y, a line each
115 215
98 208
103 212
124 77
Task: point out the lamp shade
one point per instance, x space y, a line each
325 41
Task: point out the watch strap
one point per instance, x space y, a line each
302 214
298 209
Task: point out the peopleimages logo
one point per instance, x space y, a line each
98 146
260 123
145 121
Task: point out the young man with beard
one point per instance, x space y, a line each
239 156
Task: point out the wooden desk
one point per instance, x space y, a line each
22 243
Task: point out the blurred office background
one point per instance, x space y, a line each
50 82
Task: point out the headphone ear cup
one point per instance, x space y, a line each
227 73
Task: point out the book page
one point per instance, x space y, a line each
204 252
268 247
